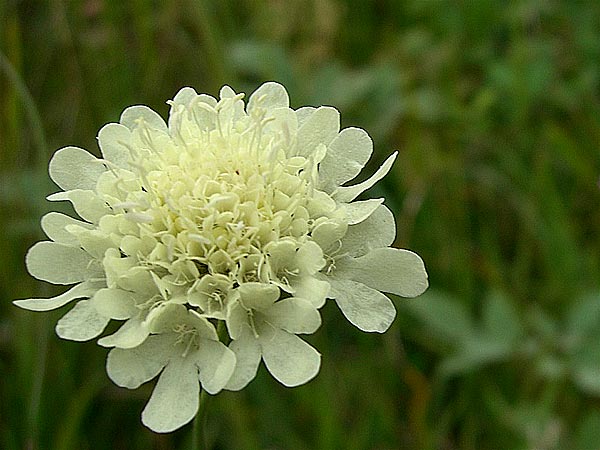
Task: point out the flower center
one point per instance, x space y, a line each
210 205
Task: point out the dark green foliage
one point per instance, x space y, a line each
495 108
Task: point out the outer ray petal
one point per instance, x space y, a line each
87 204
319 128
184 97
81 323
41 261
289 359
174 401
304 113
393 270
237 319
54 225
132 117
295 315
312 289
346 156
74 168
329 234
247 353
131 334
377 230
269 95
131 367
115 303
365 308
113 139
258 296
346 194
81 290
216 363
357 212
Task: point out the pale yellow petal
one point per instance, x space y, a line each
54 225
346 155
345 194
57 263
74 168
321 127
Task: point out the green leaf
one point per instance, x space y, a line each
583 317
501 321
585 366
587 435
443 316
476 352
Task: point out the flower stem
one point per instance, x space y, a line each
199 428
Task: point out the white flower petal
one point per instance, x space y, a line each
345 194
247 354
378 230
74 168
304 113
346 155
289 359
131 367
174 401
230 107
321 127
168 317
310 258
283 122
216 363
113 139
184 97
87 204
258 296
270 95
94 242
237 318
357 212
82 290
131 334
226 92
133 116
54 225
188 120
115 303
294 315
366 308
57 263
311 289
204 328
328 234
81 323
393 270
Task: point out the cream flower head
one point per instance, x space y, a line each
229 214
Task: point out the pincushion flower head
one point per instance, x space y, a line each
216 238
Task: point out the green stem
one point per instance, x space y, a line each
39 137
199 429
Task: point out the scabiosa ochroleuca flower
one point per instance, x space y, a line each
216 238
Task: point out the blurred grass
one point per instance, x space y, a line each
495 109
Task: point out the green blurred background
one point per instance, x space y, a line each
495 108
